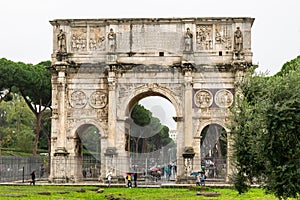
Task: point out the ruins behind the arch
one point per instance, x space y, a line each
102 67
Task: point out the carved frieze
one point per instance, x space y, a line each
77 99
98 99
224 98
204 37
78 39
203 98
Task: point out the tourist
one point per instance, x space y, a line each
135 179
129 184
197 180
32 178
84 173
203 177
108 176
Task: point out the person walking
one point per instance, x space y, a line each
108 176
129 184
32 178
197 180
203 177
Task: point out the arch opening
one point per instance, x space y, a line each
151 143
213 147
88 150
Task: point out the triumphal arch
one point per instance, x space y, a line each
101 68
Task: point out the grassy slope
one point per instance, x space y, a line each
31 192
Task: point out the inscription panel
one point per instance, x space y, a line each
156 37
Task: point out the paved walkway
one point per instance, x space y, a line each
142 185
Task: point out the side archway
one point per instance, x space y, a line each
87 145
213 150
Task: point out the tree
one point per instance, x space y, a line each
7 78
34 84
266 130
16 124
147 133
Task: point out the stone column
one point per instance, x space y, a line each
59 169
188 117
111 151
61 88
111 108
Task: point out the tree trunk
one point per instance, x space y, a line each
37 132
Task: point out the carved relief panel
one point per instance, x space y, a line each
77 99
78 39
97 39
224 98
95 98
203 98
204 37
98 99
223 36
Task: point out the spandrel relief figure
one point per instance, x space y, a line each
188 40
111 40
61 42
238 40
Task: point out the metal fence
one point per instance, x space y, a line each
20 168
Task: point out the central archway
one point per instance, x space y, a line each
152 150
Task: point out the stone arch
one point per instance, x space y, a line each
148 90
205 123
213 149
152 90
91 165
88 122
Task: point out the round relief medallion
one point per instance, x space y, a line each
78 99
224 98
98 99
203 98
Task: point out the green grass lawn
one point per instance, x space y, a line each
90 192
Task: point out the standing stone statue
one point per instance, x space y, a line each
111 40
188 39
61 41
238 40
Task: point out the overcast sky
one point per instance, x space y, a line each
26 34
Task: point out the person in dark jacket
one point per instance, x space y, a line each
32 178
